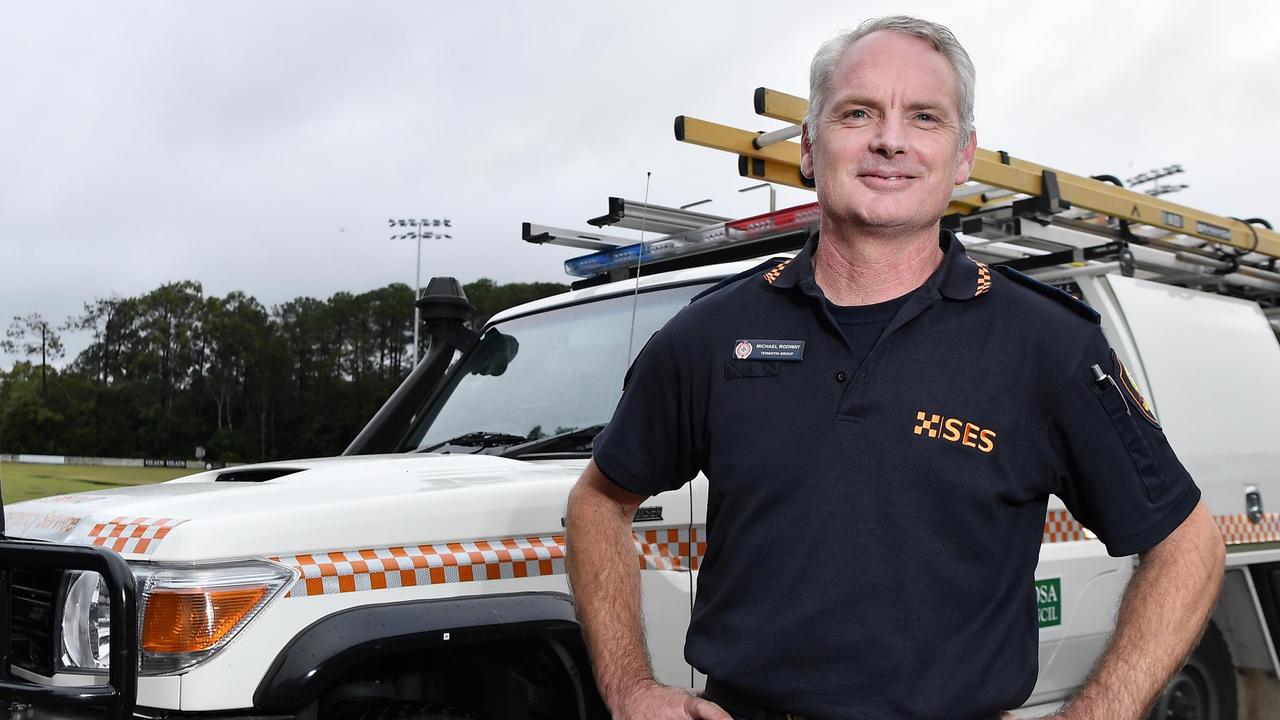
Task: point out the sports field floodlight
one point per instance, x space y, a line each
1153 177
1156 174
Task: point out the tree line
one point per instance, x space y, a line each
174 369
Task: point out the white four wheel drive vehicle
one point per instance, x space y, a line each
421 575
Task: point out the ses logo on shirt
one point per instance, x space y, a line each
953 430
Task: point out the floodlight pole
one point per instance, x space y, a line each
418 234
417 295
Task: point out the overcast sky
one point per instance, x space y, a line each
262 146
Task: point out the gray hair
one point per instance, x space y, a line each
828 56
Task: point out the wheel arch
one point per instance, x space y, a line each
1242 617
330 647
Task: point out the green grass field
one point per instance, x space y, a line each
27 481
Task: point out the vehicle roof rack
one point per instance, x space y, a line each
653 218
1012 211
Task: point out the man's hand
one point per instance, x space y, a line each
1164 611
662 702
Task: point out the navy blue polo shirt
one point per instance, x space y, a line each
874 527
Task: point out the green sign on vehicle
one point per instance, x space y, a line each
1049 602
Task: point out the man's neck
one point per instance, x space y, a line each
861 268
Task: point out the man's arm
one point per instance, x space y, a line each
605 576
1165 608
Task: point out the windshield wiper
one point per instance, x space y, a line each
546 444
480 439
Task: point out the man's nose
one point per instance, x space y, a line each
890 137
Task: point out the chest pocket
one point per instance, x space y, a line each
736 369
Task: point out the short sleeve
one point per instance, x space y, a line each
648 446
1112 464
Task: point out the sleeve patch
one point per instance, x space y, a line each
1136 398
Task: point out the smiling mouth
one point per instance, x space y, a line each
877 178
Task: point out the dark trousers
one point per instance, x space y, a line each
743 707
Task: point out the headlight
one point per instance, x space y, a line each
188 612
86 623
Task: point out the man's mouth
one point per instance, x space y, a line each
886 180
889 176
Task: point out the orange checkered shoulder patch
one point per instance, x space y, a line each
984 279
775 271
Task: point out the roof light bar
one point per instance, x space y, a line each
788 220
646 252
785 220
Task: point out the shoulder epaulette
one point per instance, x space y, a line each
757 270
1076 305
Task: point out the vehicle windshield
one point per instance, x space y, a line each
546 374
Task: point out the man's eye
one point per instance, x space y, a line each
926 117
857 114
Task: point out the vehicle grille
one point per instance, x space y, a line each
32 614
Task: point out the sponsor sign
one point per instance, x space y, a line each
1049 602
156 462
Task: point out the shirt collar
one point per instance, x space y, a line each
957 277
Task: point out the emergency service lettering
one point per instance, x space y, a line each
954 430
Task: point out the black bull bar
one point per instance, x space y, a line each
118 697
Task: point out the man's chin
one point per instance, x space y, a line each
876 219
881 218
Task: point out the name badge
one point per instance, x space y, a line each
788 350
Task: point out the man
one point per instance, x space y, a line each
903 452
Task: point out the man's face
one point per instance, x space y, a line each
887 154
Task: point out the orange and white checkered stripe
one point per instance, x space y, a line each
671 548
132 535
410 566
1239 530
1060 526
327 573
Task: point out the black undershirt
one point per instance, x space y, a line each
863 324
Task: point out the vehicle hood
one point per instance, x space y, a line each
327 504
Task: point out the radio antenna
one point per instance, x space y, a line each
635 296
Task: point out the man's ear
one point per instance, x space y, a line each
806 152
967 155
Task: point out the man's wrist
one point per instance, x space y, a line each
624 692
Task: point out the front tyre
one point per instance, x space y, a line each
1205 688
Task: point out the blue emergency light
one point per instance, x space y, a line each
694 241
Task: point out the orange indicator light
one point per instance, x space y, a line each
183 621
